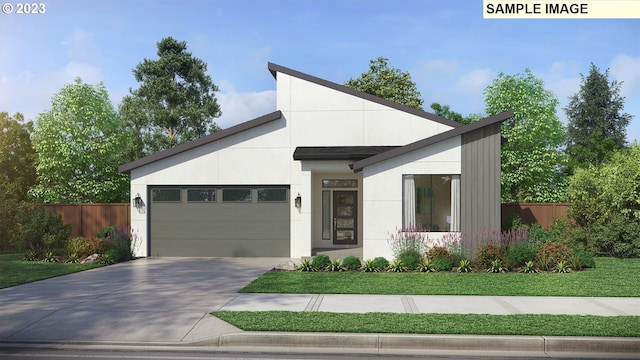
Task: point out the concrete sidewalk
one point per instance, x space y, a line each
499 305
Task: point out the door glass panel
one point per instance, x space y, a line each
344 223
344 235
345 199
344 211
340 183
326 215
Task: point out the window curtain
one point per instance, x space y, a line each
409 201
455 203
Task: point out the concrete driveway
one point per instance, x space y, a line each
150 300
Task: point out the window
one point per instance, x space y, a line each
236 195
326 214
201 195
272 195
165 195
431 202
340 183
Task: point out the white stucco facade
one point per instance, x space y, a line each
312 115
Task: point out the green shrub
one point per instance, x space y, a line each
519 254
579 260
369 266
30 255
425 266
617 236
437 252
497 267
120 240
39 230
305 265
320 262
529 267
106 231
81 247
442 264
551 253
464 266
396 266
334 265
380 263
351 263
110 256
49 257
538 234
562 267
410 259
488 252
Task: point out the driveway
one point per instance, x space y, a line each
149 300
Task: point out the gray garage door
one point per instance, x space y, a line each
210 221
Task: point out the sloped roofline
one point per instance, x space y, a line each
126 168
498 118
275 69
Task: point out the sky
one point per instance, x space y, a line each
451 52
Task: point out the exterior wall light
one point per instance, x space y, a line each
137 201
298 201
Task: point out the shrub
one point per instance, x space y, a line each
49 257
425 266
38 230
110 256
305 265
81 247
529 268
320 262
579 260
519 254
369 266
497 267
562 267
551 253
410 260
442 264
617 236
396 266
380 263
437 252
120 240
335 265
408 239
106 231
488 252
30 255
464 266
351 263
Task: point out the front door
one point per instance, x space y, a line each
345 216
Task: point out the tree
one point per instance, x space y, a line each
175 102
447 113
596 126
80 143
17 169
531 158
387 82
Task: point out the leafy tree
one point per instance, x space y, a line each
17 169
387 82
531 158
447 113
175 102
605 203
596 125
80 142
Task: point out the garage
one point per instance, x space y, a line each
219 221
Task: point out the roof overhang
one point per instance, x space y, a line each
353 153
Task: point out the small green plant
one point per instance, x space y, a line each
335 265
425 266
305 265
519 254
562 267
106 231
368 266
529 267
497 267
72 259
49 257
30 255
396 266
380 263
351 263
109 257
320 262
410 260
580 260
464 266
442 264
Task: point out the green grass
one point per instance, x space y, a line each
611 278
14 271
470 324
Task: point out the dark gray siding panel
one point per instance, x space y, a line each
220 229
480 180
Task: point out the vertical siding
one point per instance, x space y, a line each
480 181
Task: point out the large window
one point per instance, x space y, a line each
431 202
165 195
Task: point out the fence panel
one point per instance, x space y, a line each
88 219
530 213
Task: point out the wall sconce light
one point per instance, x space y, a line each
298 201
137 201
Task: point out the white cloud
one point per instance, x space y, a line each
474 81
240 107
626 68
80 46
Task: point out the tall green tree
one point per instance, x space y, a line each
80 143
447 113
175 102
17 169
532 158
387 82
597 126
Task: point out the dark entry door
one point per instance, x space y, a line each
345 217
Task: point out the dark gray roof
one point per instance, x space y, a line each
359 165
275 69
126 168
353 153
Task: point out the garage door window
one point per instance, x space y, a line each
165 195
236 195
201 195
272 195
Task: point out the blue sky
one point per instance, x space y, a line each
451 52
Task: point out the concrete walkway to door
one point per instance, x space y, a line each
150 300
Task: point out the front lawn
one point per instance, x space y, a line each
469 324
14 271
611 278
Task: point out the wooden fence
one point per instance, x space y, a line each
88 219
529 213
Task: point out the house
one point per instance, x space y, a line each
331 168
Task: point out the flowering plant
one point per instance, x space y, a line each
409 239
